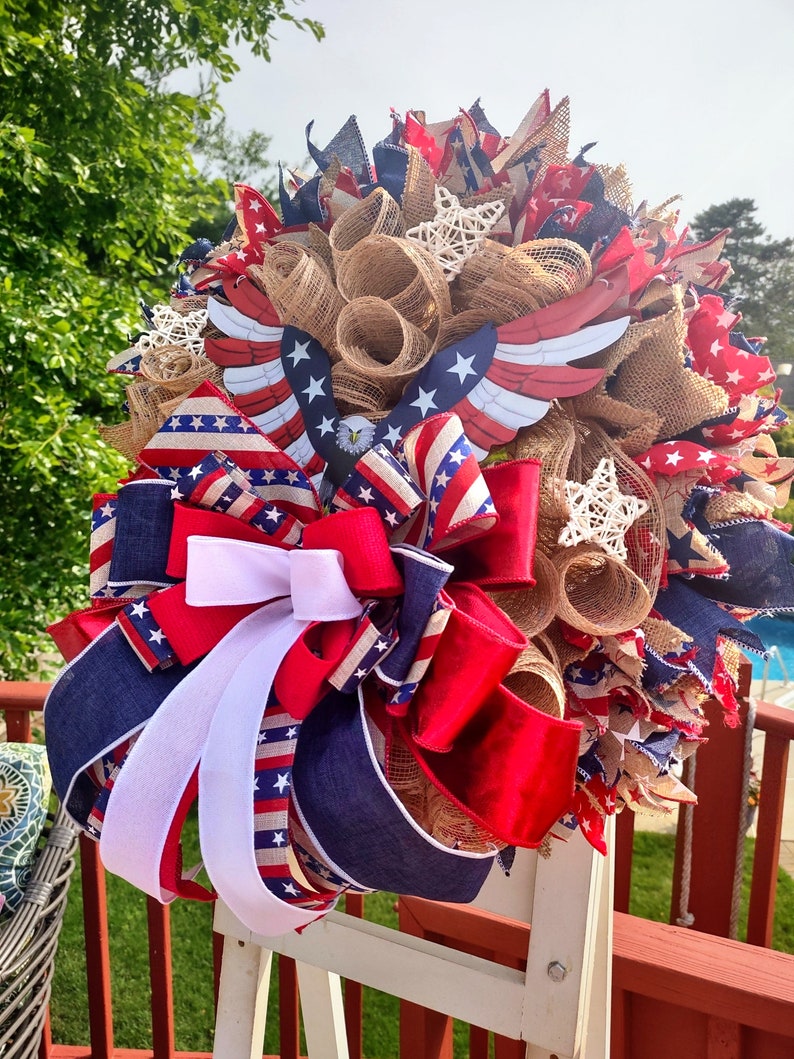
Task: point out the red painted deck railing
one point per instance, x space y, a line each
713 997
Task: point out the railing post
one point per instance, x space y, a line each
715 822
97 954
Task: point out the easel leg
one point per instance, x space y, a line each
323 1013
242 1000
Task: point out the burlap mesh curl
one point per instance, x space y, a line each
655 377
401 273
377 214
300 287
599 595
536 680
375 340
357 393
168 375
532 609
418 193
431 809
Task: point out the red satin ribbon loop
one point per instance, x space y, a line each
476 651
512 770
359 535
301 680
198 521
504 557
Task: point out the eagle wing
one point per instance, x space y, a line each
251 350
501 379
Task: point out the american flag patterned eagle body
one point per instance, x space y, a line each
497 380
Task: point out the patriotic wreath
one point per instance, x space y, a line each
452 493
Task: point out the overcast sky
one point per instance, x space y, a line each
695 98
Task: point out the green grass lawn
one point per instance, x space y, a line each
192 959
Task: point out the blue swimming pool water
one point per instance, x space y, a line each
775 632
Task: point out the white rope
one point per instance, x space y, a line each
738 870
685 917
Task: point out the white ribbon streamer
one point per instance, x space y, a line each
226 572
212 717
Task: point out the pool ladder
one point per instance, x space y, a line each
773 653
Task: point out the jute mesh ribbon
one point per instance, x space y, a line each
357 393
655 378
375 340
537 679
401 273
168 375
599 594
300 287
418 194
377 214
532 609
511 282
431 810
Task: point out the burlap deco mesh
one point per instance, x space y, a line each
536 680
480 267
357 393
531 609
645 537
548 269
302 291
553 134
599 595
144 400
178 370
504 302
168 375
655 377
377 214
191 304
460 325
551 440
401 273
374 339
320 244
419 191
430 809
617 186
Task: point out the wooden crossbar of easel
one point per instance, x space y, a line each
559 1006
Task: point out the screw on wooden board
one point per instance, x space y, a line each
556 971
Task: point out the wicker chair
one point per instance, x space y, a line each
29 940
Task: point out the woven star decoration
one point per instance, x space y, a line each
599 512
172 328
456 232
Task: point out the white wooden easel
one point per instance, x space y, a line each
560 1006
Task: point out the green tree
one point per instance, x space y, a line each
763 279
98 188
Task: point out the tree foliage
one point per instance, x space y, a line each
763 279
98 189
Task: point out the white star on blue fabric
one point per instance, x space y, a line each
314 389
392 435
462 366
424 401
300 352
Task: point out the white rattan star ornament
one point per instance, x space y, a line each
456 232
172 328
599 513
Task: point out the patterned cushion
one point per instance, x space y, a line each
24 795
